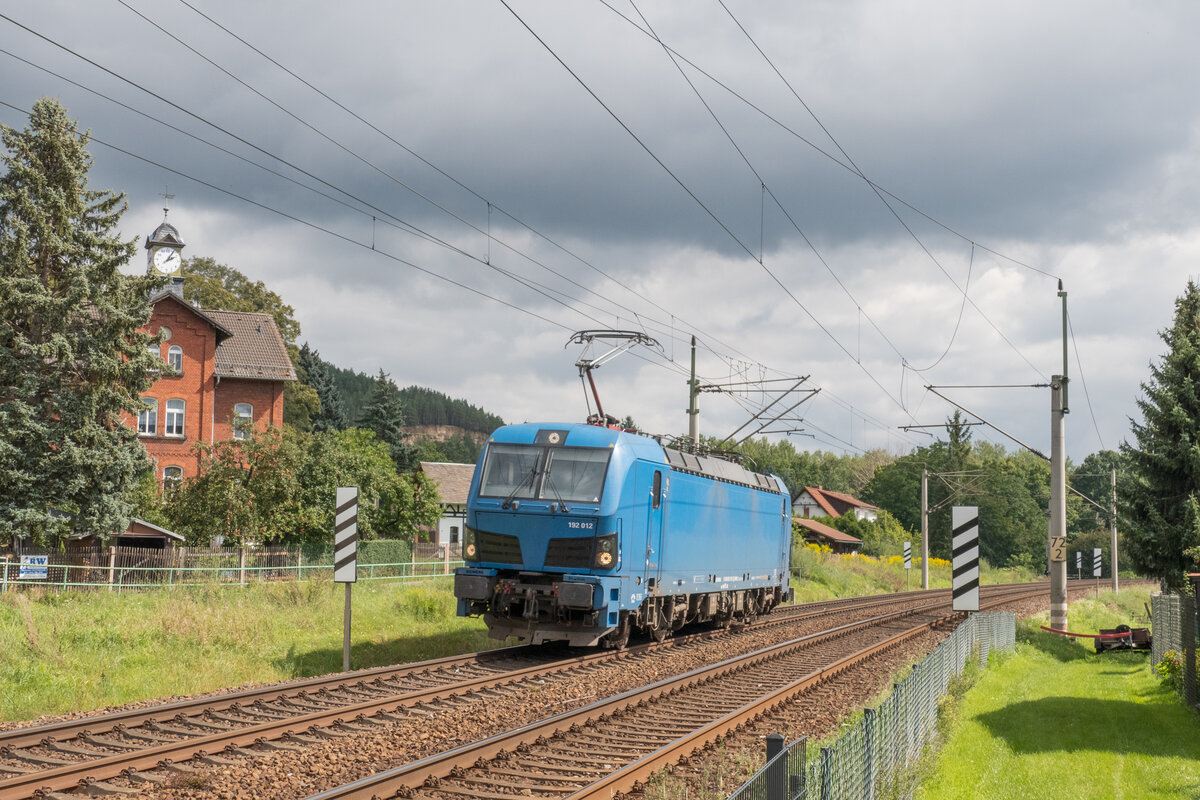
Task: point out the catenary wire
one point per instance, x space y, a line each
720 223
307 223
401 224
340 190
872 184
1086 396
491 204
323 94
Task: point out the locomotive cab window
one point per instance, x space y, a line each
559 474
575 474
510 471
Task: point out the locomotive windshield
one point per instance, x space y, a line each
531 472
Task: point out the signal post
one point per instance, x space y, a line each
1058 506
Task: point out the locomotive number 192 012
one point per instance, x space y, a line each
581 524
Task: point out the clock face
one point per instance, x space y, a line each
166 260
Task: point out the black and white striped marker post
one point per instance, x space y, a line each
345 555
908 564
965 546
1096 562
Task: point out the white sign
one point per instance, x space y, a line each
964 545
908 555
34 568
345 535
1096 562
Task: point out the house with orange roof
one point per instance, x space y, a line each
221 377
816 501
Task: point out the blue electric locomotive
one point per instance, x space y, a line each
584 533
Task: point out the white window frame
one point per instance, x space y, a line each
148 418
171 482
173 419
243 420
175 358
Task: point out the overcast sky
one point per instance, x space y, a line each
877 195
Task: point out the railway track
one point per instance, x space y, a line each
614 745
139 745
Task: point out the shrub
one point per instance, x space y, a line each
1170 670
385 551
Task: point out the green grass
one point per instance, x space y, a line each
1056 719
63 652
825 575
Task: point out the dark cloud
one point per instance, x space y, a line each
1062 137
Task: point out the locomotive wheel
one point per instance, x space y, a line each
660 634
616 640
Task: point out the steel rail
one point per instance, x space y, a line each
24 737
430 770
85 772
637 773
437 766
105 723
68 776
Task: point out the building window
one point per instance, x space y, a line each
174 418
148 418
157 353
243 420
172 478
175 358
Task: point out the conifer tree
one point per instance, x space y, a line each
384 414
332 416
72 359
1160 494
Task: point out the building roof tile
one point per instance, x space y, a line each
453 480
254 348
821 529
825 499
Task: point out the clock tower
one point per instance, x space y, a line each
163 254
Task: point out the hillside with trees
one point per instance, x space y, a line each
422 406
431 407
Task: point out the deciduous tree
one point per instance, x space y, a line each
247 492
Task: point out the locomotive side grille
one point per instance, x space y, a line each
498 548
570 553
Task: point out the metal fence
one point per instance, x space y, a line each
138 568
1174 627
873 759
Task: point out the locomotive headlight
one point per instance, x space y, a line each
606 551
469 549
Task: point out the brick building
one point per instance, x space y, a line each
223 372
